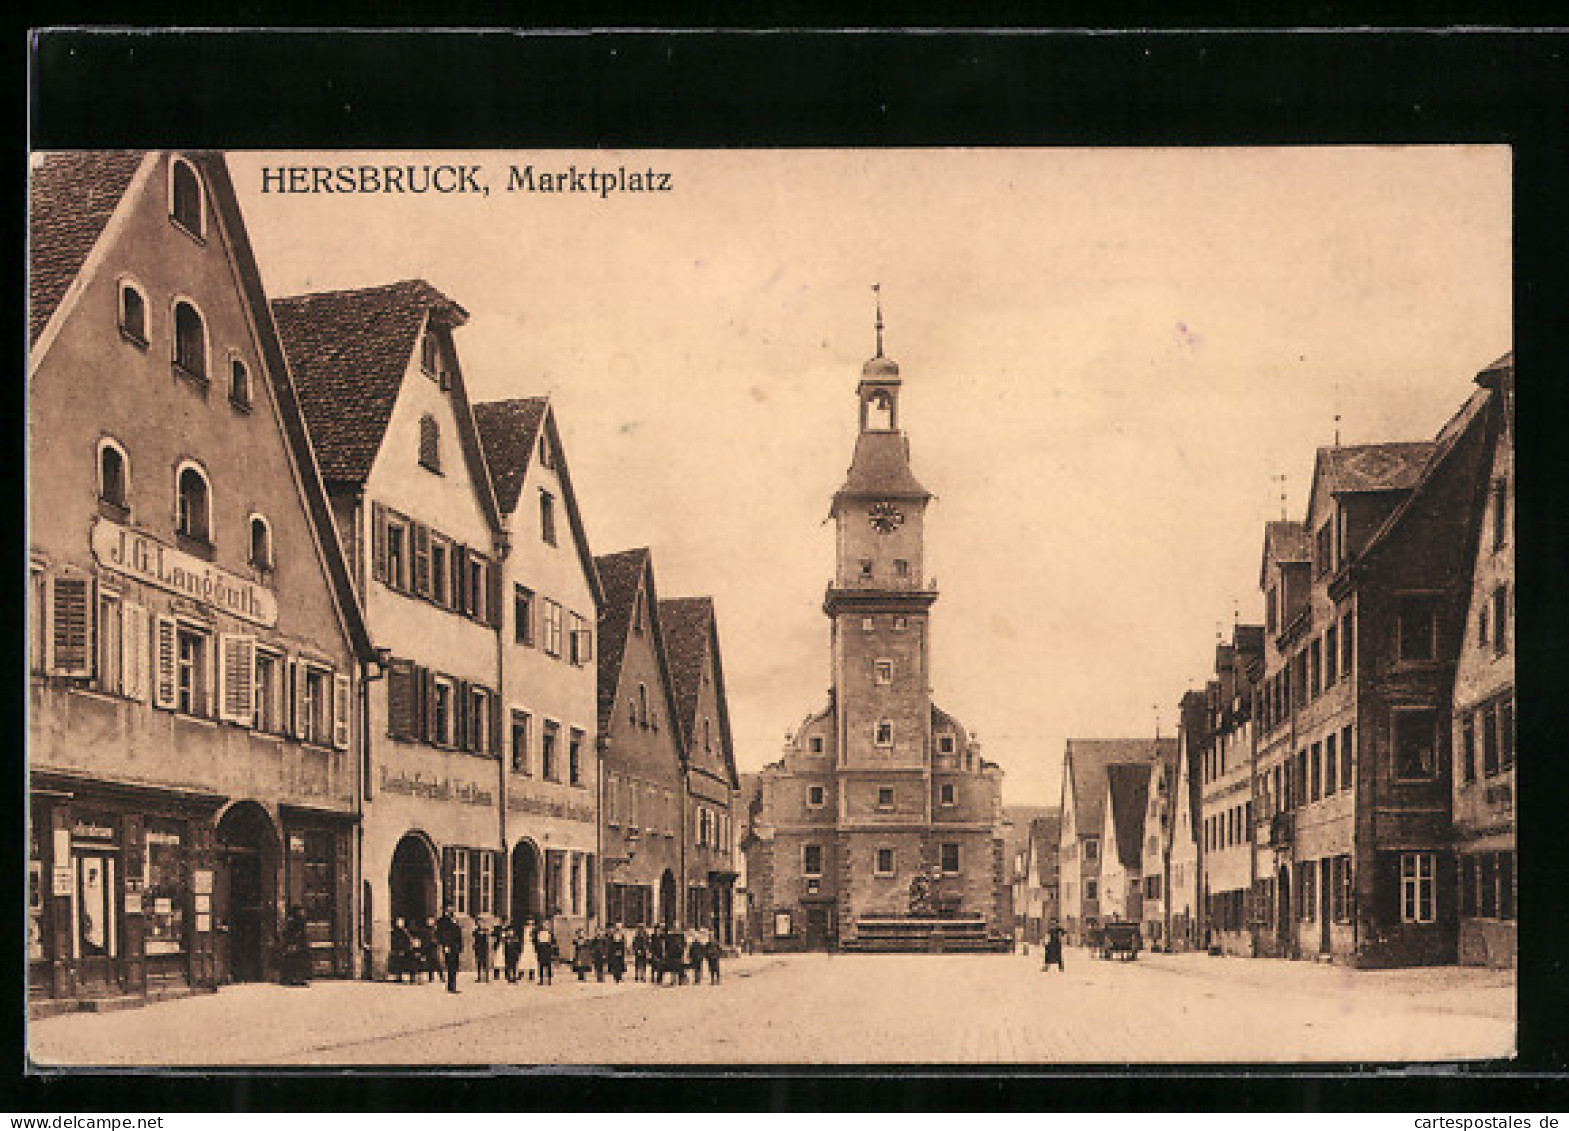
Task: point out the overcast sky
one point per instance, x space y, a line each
1108 355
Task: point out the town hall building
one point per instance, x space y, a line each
881 827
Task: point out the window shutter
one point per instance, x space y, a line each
474 884
400 700
297 683
587 653
425 689
165 690
340 711
72 629
237 678
133 651
493 615
495 723
461 716
378 541
448 868
421 538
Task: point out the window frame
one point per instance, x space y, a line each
821 793
549 750
882 733
138 338
430 443
107 444
199 231
882 672
942 858
885 798
182 363
521 760
947 794
182 516
1397 727
807 867
523 611
241 387
269 562
547 518
1418 887
878 868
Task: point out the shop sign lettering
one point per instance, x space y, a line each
434 789
84 831
522 803
133 553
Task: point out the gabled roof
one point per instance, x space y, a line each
880 469
1042 844
621 576
1128 785
1284 541
509 435
1084 772
350 351
1360 469
94 184
1449 437
691 633
71 197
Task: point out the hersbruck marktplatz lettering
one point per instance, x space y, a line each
345 179
604 182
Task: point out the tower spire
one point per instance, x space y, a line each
877 289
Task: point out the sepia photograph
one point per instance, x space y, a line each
758 606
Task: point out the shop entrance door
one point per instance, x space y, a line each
525 882
249 854
819 927
245 913
412 881
97 924
1283 919
667 899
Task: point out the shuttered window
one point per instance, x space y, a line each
72 626
237 679
164 673
341 706
110 644
134 651
421 537
402 721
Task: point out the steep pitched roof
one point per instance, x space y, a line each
1085 772
509 431
349 352
1374 467
621 575
1285 541
71 197
880 468
691 634
509 435
1044 834
1127 786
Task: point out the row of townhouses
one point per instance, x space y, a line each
310 629
1344 787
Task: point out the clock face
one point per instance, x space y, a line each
885 518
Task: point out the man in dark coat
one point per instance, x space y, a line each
296 949
640 954
481 950
616 952
544 940
449 937
712 954
599 951
1053 948
512 949
675 955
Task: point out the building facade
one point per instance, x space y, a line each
549 616
644 784
1036 902
1483 736
708 865
1228 871
1122 838
194 640
394 436
882 818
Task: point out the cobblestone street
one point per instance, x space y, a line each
824 1009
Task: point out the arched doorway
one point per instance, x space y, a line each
526 901
411 881
667 899
247 895
1283 921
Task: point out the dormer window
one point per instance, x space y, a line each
133 314
429 443
185 197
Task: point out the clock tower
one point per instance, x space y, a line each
879 599
881 826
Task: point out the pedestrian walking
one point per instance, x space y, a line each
712 954
616 953
400 957
498 941
598 953
481 950
1053 948
512 948
425 947
581 962
449 937
296 949
640 954
675 955
695 950
544 951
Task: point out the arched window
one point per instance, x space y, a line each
193 516
113 473
190 340
185 197
239 383
261 542
133 313
880 416
429 443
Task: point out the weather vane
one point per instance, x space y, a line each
877 289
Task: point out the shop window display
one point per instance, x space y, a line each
163 884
